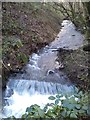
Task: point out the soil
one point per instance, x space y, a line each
76 66
35 27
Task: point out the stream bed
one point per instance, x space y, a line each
42 76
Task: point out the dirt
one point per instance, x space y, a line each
35 27
75 64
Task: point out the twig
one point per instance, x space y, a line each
4 65
77 63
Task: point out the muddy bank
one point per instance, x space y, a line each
75 64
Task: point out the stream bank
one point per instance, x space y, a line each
70 43
75 64
33 25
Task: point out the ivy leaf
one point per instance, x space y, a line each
77 95
81 93
51 114
78 106
59 96
81 111
29 109
41 113
76 90
63 113
85 107
66 104
57 101
73 115
19 43
68 113
24 115
35 106
45 108
71 106
51 98
24 58
88 112
36 115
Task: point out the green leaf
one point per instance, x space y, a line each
73 115
78 106
71 106
85 107
29 109
19 43
81 93
77 95
72 100
36 115
57 101
32 108
24 116
68 113
18 56
51 98
76 90
59 96
45 108
41 113
35 106
66 104
88 112
53 115
50 114
24 58
64 113
81 111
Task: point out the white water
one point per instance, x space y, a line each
41 76
21 102
34 92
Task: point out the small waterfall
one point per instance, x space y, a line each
33 86
41 77
23 93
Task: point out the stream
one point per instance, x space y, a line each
41 77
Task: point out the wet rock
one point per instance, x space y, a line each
73 35
61 67
64 50
86 47
9 92
50 72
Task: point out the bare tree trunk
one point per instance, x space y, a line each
87 14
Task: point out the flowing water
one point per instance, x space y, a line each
41 77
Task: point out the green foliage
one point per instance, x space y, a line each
18 43
71 108
34 111
51 98
12 45
73 11
22 57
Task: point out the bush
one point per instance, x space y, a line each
66 107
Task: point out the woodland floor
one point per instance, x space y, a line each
76 67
